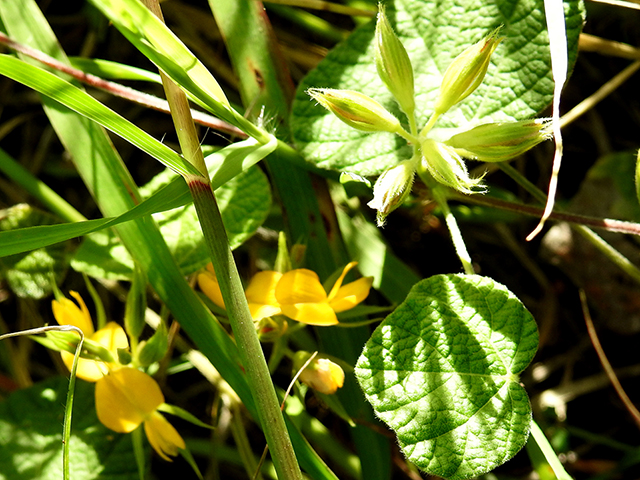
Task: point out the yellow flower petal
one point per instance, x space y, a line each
208 283
338 284
88 370
125 398
262 287
261 294
111 337
259 311
311 313
300 286
67 313
163 437
351 294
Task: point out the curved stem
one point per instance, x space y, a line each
537 435
456 236
251 354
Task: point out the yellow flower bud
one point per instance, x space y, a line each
497 142
393 64
391 189
321 374
466 72
356 110
447 167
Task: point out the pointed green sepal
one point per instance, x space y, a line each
393 64
466 72
356 110
391 189
497 142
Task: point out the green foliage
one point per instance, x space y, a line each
443 371
30 274
245 202
31 437
518 84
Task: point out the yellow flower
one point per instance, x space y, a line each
302 297
260 293
112 336
298 294
321 374
126 398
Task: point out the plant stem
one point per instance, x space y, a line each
579 223
456 236
210 219
537 435
430 124
244 330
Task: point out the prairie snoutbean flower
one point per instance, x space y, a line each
125 397
112 336
297 294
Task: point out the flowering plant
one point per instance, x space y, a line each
296 294
433 160
125 397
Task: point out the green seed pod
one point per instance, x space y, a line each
466 72
447 167
391 189
393 64
497 142
356 110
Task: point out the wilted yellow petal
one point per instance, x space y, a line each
311 313
67 313
300 286
351 294
323 375
125 398
208 283
163 437
261 294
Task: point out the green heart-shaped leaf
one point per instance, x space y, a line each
442 371
518 84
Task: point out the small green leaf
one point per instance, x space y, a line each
518 84
442 371
30 274
31 436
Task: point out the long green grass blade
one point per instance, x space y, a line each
81 102
155 41
224 165
114 191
